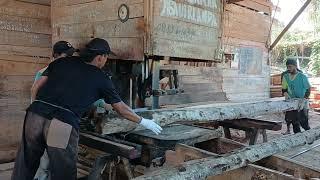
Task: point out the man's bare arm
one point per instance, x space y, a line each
37 85
126 112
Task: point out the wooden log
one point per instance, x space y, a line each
200 169
207 113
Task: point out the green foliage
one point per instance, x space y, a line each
298 43
314 15
315 58
293 44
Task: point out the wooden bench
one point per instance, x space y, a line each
252 127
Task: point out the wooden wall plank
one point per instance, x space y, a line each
25 51
42 2
245 24
19 68
16 83
25 47
24 24
23 9
166 28
24 39
245 28
256 6
93 12
185 30
204 15
124 48
193 97
131 28
167 47
61 3
25 59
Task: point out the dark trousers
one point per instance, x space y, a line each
298 118
34 142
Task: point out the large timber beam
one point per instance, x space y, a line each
202 168
201 114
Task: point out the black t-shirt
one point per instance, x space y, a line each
73 85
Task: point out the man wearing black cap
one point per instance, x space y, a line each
60 49
52 120
296 85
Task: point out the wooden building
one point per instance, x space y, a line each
25 47
219 48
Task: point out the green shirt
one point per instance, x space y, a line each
39 74
296 87
100 103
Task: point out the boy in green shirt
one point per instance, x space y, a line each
295 84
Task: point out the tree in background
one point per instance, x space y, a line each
303 45
314 14
315 58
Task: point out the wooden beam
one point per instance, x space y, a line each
111 147
202 168
208 113
190 153
233 1
290 24
252 123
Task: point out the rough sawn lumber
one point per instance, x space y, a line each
208 113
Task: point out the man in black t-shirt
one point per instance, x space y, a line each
52 120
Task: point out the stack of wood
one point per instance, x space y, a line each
315 93
276 88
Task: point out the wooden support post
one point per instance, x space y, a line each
155 82
200 169
98 166
254 133
227 132
264 135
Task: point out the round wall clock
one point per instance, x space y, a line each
123 13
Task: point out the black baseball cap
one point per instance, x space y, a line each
64 47
99 45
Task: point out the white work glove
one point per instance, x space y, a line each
151 125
